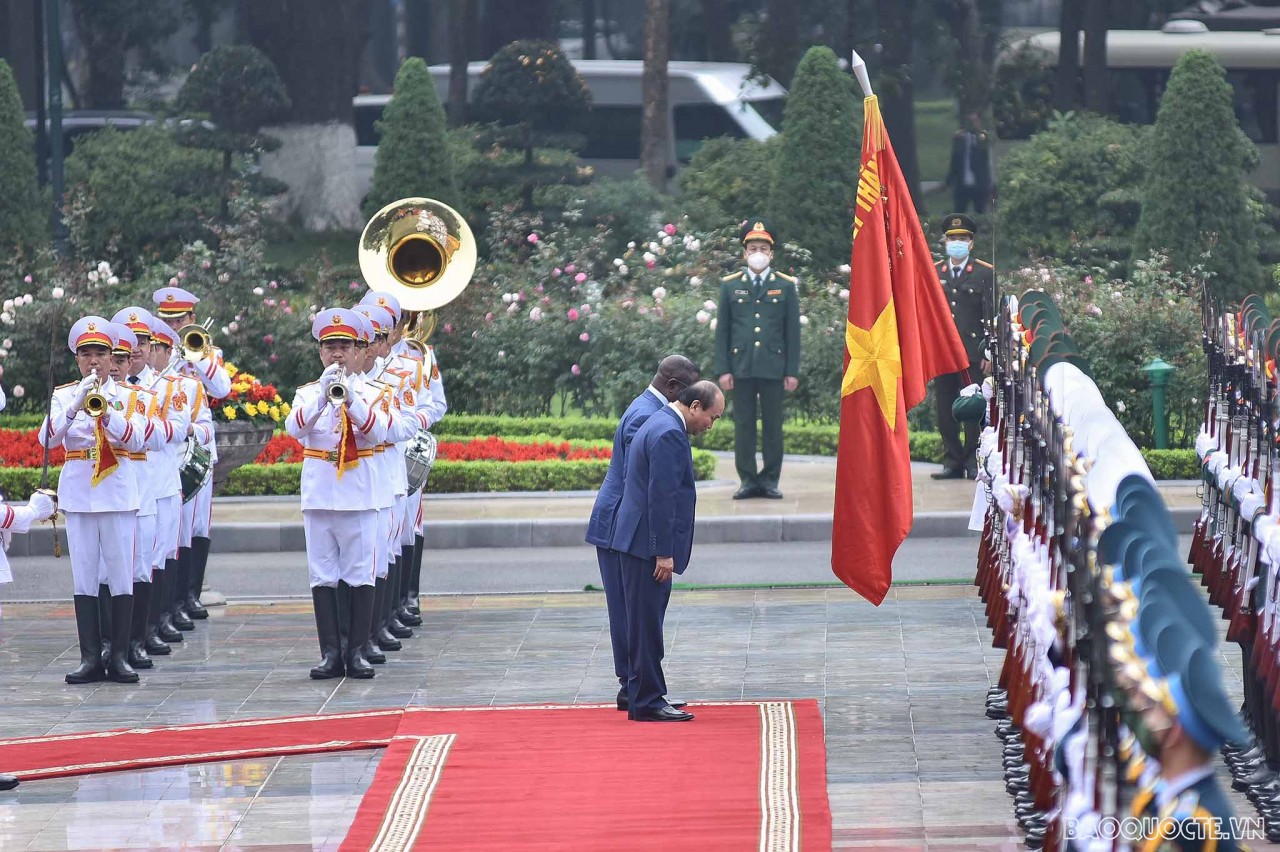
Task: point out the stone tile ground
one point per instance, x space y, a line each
912 762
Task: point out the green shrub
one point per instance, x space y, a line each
1051 188
1173 464
413 157
726 179
1023 97
815 176
22 224
1196 206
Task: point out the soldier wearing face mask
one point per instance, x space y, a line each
969 284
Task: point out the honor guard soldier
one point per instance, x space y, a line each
339 428
969 284
14 520
758 356
177 308
97 422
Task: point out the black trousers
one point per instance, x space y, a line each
745 393
955 455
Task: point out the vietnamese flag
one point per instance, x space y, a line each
899 335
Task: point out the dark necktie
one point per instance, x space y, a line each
133 380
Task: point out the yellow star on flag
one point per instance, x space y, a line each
875 361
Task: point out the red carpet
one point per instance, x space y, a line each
142 748
742 776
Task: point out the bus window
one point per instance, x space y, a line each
613 133
696 123
1255 96
365 119
1135 93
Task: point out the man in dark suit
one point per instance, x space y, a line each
653 534
970 174
969 284
675 373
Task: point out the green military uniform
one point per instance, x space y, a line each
758 342
969 288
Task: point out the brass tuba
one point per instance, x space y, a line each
422 252
194 341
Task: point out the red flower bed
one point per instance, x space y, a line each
19 448
283 448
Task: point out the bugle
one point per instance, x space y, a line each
95 403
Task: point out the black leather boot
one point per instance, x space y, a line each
155 646
89 629
199 561
372 652
104 621
165 628
415 577
181 619
385 640
361 619
343 596
118 669
325 601
138 657
394 626
409 619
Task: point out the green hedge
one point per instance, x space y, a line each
1173 464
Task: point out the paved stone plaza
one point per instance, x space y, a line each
912 762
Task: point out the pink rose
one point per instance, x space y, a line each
555 273
488 317
650 264
576 370
546 300
585 309
539 288
570 268
182 275
584 337
288 310
533 239
26 279
669 229
19 391
273 357
448 328
268 339
521 296
355 285
580 277
573 315
273 285
205 264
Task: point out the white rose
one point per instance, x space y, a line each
1120 406
258 291
113 281
713 323
654 247
709 304
4 353
93 276
696 281
227 330
702 316
57 292
104 268
804 320
622 269
8 304
6 318
631 244
843 269
8 343
513 307
506 298
617 261
535 314
659 293
28 299
695 245
666 241
650 257
844 295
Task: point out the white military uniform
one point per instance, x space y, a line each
177 399
16 518
101 517
158 436
435 406
213 376
339 517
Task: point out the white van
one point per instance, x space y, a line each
1139 63
707 100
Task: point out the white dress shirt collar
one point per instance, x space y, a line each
651 389
679 414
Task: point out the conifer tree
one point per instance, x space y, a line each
1195 199
413 156
21 213
817 165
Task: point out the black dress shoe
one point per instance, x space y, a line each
771 494
746 492
194 608
155 646
948 473
666 714
182 621
165 629
624 703
8 782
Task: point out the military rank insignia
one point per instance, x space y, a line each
435 371
408 397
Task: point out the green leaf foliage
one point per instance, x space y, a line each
1052 189
1196 202
414 157
531 82
21 221
237 87
726 177
812 198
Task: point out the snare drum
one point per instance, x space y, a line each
418 459
195 471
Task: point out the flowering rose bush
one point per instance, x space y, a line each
249 399
283 449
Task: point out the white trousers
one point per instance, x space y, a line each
342 546
413 512
101 546
143 545
381 562
201 511
168 522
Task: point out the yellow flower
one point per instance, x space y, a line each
275 413
251 409
231 368
277 399
285 408
229 412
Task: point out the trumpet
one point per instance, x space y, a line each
95 403
337 392
194 340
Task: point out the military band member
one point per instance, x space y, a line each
97 493
969 284
17 518
339 429
177 308
758 356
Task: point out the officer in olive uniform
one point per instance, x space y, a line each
758 356
969 284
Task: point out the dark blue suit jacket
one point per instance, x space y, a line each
656 515
605 510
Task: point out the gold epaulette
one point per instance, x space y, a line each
983 264
67 385
307 385
731 276
785 277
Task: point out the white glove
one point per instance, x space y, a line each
42 506
970 390
83 389
328 378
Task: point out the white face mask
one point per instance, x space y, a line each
758 262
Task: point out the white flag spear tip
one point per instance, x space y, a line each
859 68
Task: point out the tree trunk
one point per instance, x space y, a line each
1066 89
316 46
506 21
18 47
968 76
715 15
461 13
1096 92
896 89
381 58
654 85
589 29
103 41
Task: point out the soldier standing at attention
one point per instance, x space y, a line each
968 283
758 356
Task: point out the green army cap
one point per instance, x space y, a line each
759 228
958 224
969 409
